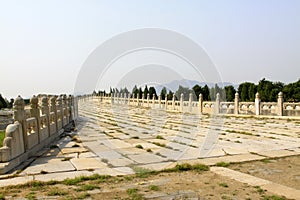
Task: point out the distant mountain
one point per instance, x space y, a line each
173 85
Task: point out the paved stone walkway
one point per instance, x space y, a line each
115 139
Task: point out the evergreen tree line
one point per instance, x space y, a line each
4 103
268 91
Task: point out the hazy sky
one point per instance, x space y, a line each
43 44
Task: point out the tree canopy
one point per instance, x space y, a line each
268 91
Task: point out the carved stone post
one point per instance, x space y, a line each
217 104
153 101
173 102
200 104
166 102
128 98
45 106
148 98
257 104
45 111
143 97
236 103
280 104
70 107
73 107
35 112
181 102
190 102
60 107
19 115
159 101
34 104
65 106
54 110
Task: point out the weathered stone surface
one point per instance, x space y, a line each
87 155
73 150
112 154
49 165
16 181
119 162
278 153
114 171
239 176
158 166
254 181
60 176
146 158
87 163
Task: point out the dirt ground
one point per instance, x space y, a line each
285 171
145 185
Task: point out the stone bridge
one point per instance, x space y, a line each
117 135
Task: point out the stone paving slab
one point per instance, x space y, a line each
16 181
116 171
87 163
52 152
278 153
48 165
73 150
146 158
129 151
228 158
111 154
158 166
87 155
119 162
239 176
254 181
60 176
288 192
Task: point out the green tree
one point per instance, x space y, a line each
252 89
230 93
197 90
291 92
135 92
3 103
247 91
264 88
215 90
146 91
170 95
152 92
163 93
183 90
140 93
205 92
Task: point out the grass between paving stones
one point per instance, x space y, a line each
77 188
160 137
154 187
239 132
139 146
133 193
2 136
222 164
223 185
159 144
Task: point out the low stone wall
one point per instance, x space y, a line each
35 127
257 107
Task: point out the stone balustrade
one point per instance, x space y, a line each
257 107
35 126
